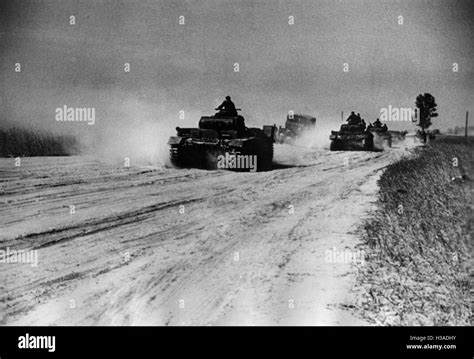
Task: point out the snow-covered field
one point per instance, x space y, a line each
151 245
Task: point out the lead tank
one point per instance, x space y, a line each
222 141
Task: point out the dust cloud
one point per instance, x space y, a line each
296 154
135 129
319 136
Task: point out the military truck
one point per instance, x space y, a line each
223 141
295 126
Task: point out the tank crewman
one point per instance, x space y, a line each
378 124
227 107
352 119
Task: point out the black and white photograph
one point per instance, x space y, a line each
275 163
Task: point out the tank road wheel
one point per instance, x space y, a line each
334 146
211 158
176 156
265 156
369 144
263 150
187 157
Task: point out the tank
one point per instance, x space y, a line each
382 138
352 137
222 141
295 126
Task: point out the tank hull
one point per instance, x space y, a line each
223 142
355 141
249 156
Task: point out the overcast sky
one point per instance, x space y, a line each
191 67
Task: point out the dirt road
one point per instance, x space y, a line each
162 246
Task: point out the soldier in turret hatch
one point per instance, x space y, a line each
352 119
227 107
377 123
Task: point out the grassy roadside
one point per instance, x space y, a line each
26 143
420 239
